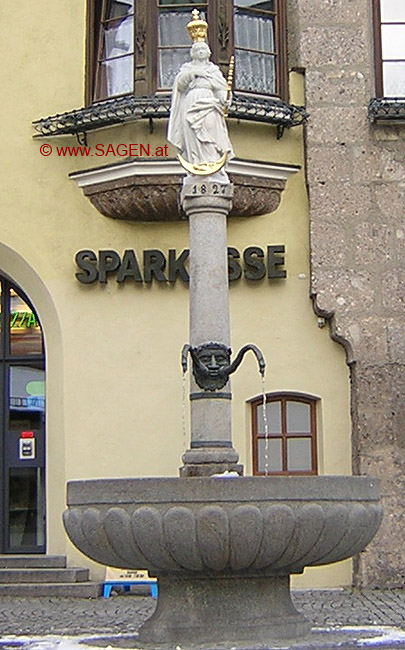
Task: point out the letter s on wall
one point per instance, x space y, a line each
87 261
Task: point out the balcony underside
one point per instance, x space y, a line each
148 190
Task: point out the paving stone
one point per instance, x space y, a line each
124 613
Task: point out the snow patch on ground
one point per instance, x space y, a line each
377 637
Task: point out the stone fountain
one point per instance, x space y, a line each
221 545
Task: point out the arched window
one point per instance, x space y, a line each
290 444
137 46
22 424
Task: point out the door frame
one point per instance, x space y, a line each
8 454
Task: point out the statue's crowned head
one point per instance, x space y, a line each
197 28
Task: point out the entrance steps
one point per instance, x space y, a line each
44 575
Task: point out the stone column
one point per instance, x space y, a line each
207 205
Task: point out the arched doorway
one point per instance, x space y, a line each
22 424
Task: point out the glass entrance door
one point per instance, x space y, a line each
22 422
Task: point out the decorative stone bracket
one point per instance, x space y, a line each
148 190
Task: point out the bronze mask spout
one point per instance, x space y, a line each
212 363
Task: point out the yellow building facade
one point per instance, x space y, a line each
115 404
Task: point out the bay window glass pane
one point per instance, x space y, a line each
119 75
392 10
254 47
274 455
172 29
197 4
393 41
120 8
116 65
25 330
267 5
299 454
255 72
27 397
254 32
273 417
394 79
118 38
298 417
170 62
174 43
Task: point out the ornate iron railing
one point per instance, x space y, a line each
384 109
129 108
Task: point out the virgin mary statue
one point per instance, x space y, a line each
197 125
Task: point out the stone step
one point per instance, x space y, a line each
66 589
32 561
72 574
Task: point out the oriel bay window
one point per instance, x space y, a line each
284 436
137 46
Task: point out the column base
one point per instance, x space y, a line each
208 469
205 460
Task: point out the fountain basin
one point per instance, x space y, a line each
222 548
280 524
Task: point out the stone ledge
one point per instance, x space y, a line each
148 190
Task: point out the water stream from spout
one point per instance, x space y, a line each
183 412
266 428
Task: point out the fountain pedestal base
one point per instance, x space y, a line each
223 548
195 610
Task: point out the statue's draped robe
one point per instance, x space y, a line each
197 125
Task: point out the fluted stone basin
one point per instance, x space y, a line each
222 549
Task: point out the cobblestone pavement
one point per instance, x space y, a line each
124 613
353 607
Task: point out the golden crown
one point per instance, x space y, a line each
197 28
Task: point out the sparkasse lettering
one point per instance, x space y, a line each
152 265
